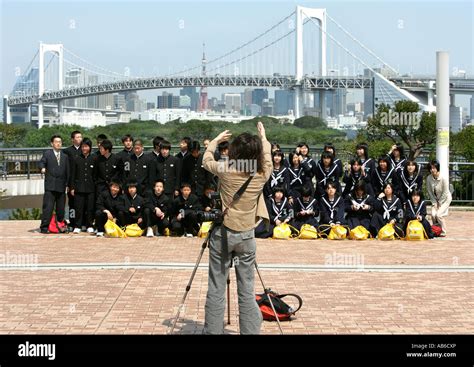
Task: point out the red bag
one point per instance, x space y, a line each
283 310
436 230
57 227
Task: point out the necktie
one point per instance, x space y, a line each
57 158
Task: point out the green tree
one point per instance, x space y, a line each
463 143
25 214
310 122
403 122
12 135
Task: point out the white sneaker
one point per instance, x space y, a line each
76 230
90 230
100 234
149 232
189 235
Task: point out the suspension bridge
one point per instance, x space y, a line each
308 52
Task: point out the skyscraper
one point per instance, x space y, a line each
284 101
258 95
193 95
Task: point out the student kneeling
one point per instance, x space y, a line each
133 207
109 206
279 210
185 208
157 208
416 209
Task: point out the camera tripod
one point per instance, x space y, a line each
205 244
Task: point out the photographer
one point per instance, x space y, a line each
235 238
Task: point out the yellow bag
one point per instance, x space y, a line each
387 232
338 232
204 230
167 232
415 231
113 230
282 231
359 233
133 230
308 232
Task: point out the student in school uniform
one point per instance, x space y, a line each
109 205
329 147
388 209
280 175
306 209
279 210
193 170
83 187
184 147
384 173
297 177
416 209
397 157
127 151
157 209
72 152
368 164
54 164
331 207
133 206
169 169
308 164
360 206
276 147
327 171
184 213
107 168
410 180
354 174
140 168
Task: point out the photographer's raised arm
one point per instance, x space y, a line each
208 161
267 151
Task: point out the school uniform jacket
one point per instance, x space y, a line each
352 200
113 204
82 176
390 209
279 177
279 210
307 205
153 201
332 212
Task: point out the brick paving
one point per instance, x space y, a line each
135 300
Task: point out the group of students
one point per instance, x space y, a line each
164 194
302 190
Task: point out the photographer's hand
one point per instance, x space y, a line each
223 136
261 131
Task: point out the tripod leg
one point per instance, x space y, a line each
228 299
188 287
266 290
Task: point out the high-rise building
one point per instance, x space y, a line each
167 100
27 84
455 119
232 102
119 102
472 108
193 95
267 107
185 102
150 105
105 101
258 95
284 101
247 97
337 102
2 115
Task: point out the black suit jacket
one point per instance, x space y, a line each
56 176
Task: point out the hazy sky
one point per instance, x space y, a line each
151 36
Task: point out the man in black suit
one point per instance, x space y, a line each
72 152
55 166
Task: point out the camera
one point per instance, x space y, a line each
215 215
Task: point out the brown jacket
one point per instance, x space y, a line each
250 208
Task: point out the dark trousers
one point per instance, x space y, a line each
150 220
188 224
126 218
101 219
84 203
52 200
72 210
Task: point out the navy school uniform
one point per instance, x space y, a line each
107 170
386 211
340 168
114 204
138 203
351 179
412 211
309 167
276 211
193 172
331 211
310 207
297 178
379 179
407 184
279 177
141 169
189 207
83 184
164 203
360 217
325 175
397 164
169 170
369 167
